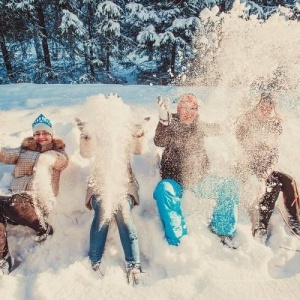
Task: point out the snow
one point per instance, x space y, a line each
70 20
200 268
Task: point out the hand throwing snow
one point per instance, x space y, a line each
163 110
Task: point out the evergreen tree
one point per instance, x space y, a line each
12 32
90 40
109 29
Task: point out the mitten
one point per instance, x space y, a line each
80 124
163 110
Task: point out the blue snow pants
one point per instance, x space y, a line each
168 195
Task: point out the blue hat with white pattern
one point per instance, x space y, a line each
42 123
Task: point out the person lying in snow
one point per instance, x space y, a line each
29 205
185 165
257 132
96 200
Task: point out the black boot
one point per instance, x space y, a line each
5 200
41 236
295 226
6 264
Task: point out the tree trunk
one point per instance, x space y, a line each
92 68
173 58
6 58
90 45
42 25
107 59
222 6
37 47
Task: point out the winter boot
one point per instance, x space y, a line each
41 236
228 241
260 235
133 271
98 267
4 200
6 264
295 226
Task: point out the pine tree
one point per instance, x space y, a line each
109 29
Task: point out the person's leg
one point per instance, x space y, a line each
21 211
225 213
128 233
291 200
6 261
3 235
168 194
98 231
266 204
226 193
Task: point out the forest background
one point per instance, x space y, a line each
125 42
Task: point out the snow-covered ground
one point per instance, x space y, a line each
252 55
201 267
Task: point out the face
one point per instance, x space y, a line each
42 137
264 110
188 113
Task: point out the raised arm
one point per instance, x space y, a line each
139 138
162 135
85 142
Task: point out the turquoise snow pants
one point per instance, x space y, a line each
168 195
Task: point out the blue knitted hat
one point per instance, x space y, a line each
42 123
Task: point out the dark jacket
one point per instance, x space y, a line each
184 158
259 142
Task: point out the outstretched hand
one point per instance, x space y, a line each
163 110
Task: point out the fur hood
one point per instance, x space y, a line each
29 143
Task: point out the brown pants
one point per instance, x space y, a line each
17 210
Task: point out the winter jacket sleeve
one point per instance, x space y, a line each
138 139
9 156
61 159
162 135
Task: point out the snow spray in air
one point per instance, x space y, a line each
108 124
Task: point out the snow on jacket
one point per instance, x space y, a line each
258 140
184 158
25 159
87 151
